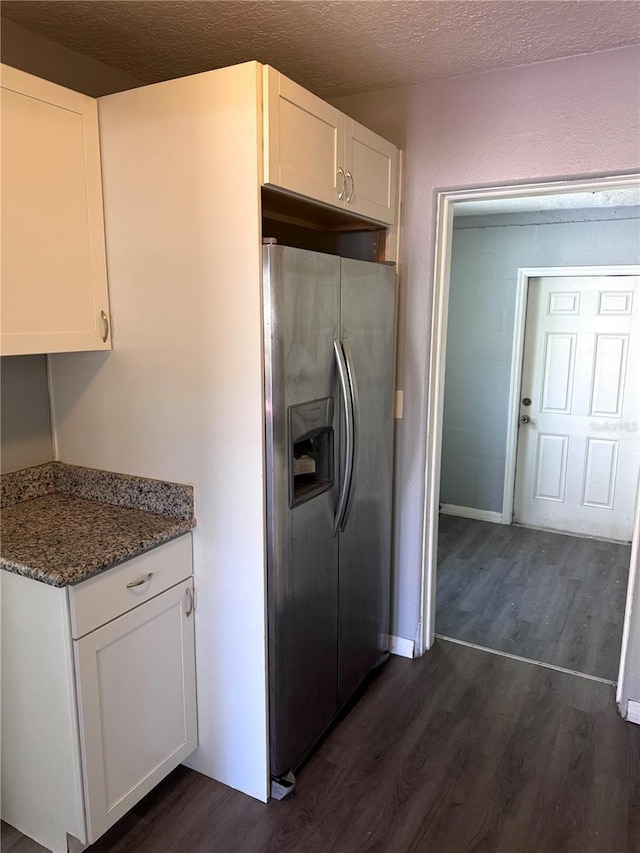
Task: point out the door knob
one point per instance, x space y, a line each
524 419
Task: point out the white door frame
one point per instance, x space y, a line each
632 611
442 270
517 356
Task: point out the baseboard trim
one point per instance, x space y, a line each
633 712
571 533
400 646
472 512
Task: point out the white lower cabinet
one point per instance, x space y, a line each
125 691
136 703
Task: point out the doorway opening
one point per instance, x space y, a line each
529 201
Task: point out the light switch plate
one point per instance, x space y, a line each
399 405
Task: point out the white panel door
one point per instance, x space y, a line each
137 703
579 452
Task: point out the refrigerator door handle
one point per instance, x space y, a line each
355 416
345 386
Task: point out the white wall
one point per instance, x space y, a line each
487 252
569 118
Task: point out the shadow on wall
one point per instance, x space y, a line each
25 425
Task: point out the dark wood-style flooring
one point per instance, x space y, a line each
455 752
545 596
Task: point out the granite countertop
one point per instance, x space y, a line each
62 524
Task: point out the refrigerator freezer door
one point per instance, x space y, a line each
301 310
368 329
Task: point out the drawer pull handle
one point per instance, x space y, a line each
190 600
146 578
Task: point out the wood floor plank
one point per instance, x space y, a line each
14 842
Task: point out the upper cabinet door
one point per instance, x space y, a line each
303 141
54 293
371 165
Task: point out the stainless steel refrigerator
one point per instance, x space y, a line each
329 365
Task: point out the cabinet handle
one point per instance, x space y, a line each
344 183
353 186
105 327
190 604
146 578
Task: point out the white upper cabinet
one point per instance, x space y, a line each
54 279
313 150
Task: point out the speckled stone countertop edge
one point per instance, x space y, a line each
62 524
119 555
125 490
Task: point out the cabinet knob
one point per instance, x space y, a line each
105 327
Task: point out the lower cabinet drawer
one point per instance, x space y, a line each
116 591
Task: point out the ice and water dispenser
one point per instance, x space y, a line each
310 450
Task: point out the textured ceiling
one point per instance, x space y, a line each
332 48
